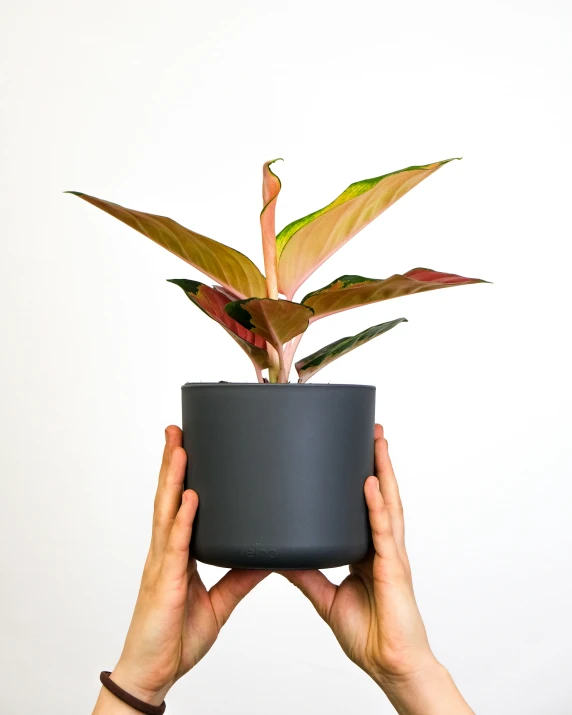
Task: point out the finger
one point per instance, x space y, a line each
176 555
364 565
388 484
173 438
383 540
169 490
390 493
231 589
317 588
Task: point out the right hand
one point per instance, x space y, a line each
176 619
373 612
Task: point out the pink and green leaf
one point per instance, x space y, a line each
277 321
212 302
306 243
353 291
223 264
270 189
309 366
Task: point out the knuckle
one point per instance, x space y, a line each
390 573
174 549
379 531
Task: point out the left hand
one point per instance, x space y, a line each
176 620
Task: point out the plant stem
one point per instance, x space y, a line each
282 374
289 353
271 276
276 363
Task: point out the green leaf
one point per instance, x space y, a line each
306 243
354 291
229 267
309 366
277 321
212 302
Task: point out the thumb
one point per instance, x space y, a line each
317 588
229 591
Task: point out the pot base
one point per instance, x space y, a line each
281 558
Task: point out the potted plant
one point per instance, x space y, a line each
279 467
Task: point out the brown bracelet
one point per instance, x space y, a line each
135 703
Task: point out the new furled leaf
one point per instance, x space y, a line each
270 189
212 302
309 366
306 243
277 321
229 267
354 291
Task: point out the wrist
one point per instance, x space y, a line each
426 668
429 690
127 678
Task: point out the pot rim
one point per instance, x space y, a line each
304 385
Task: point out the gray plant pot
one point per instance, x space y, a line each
279 470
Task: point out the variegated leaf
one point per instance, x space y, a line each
353 291
229 267
277 321
225 291
309 366
213 302
306 243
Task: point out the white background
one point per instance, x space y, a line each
172 108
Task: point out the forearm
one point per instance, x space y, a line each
428 692
108 704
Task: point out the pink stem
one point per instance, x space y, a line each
289 353
258 372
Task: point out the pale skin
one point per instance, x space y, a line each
372 613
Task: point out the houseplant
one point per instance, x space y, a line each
279 467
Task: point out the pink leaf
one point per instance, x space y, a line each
213 302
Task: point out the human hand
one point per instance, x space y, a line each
176 620
373 612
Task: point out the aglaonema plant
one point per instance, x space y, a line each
259 312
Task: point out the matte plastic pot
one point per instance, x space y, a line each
279 470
